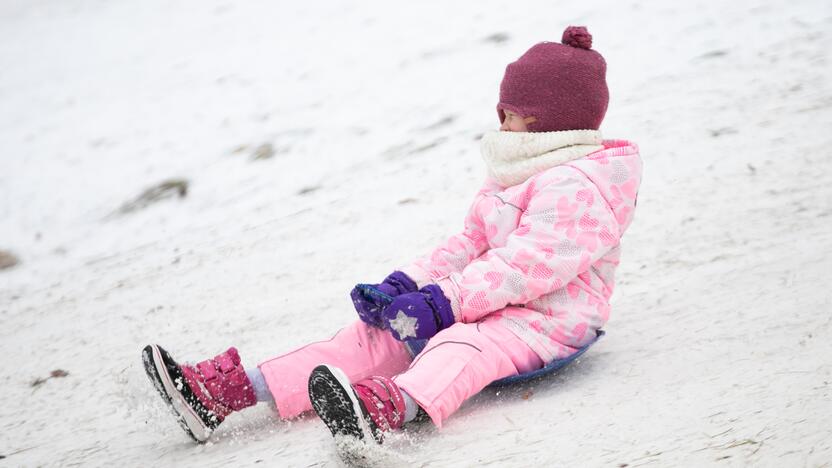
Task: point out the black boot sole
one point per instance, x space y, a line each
165 375
336 403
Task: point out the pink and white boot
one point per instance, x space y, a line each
370 407
200 396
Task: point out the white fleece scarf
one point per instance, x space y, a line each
513 157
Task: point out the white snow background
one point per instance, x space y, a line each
719 349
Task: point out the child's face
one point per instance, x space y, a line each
514 123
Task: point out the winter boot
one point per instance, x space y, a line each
370 407
201 396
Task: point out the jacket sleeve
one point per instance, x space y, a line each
456 252
566 227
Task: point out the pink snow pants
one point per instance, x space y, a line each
456 364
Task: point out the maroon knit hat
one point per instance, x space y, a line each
563 86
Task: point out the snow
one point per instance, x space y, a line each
719 349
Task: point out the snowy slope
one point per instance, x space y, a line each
719 350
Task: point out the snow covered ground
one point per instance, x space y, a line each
366 116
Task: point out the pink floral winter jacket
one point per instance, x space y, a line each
541 239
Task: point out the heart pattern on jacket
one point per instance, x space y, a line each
542 251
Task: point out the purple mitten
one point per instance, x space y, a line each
369 307
418 315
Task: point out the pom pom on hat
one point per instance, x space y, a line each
577 36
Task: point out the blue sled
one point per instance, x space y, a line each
550 368
416 347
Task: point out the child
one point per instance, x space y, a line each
527 281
